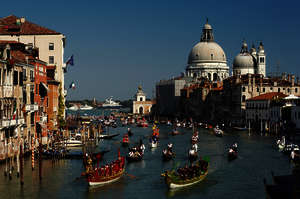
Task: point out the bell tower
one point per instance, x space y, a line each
261 60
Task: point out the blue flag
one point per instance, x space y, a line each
70 61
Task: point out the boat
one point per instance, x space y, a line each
86 107
107 174
142 124
290 147
232 154
167 155
153 142
109 103
181 178
73 142
218 132
73 108
281 143
175 132
136 153
105 136
125 140
240 128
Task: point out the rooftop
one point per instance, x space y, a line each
14 25
268 96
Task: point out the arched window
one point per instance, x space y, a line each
209 76
215 77
141 99
211 56
195 75
244 89
141 110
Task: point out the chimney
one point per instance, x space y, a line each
289 77
22 19
293 80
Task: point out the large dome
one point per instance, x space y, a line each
243 60
207 52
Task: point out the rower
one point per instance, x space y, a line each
170 145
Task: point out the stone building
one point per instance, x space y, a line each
250 62
141 105
50 44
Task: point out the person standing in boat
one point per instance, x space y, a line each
170 145
234 147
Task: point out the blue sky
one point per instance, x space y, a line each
118 45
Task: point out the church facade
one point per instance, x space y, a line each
141 105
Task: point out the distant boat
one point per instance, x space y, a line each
73 108
72 142
86 107
109 103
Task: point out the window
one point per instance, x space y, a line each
288 90
296 89
51 59
211 56
261 59
141 99
243 98
257 89
264 89
244 88
278 89
15 80
284 89
51 46
24 74
21 78
271 88
31 76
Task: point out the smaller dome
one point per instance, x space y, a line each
244 60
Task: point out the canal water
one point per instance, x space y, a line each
241 178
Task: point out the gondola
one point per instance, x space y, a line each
167 155
125 141
104 136
135 157
186 176
175 132
232 155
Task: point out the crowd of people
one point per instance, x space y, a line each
194 170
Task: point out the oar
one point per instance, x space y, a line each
130 175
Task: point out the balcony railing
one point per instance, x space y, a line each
7 90
31 107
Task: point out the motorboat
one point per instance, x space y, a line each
109 103
72 142
73 108
86 107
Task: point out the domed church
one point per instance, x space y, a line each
250 62
207 58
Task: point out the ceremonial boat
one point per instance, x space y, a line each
104 136
125 141
198 172
106 174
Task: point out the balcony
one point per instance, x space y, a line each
8 122
7 90
31 107
20 121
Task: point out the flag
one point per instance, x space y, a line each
72 85
15 111
70 61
